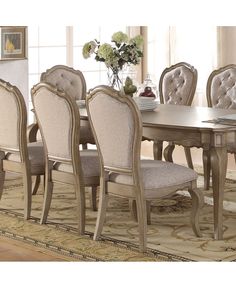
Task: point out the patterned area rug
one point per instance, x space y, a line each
170 237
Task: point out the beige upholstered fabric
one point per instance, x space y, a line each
221 88
178 84
111 117
89 163
158 174
36 157
73 83
55 118
9 119
67 79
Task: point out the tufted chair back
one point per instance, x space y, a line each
65 78
221 88
177 84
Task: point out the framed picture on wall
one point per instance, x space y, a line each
13 42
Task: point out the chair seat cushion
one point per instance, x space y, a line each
158 174
89 163
36 157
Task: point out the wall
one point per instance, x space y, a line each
16 72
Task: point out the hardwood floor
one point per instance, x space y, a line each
13 250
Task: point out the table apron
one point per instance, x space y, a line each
191 138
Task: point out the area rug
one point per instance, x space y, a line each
170 237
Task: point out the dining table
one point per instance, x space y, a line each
195 127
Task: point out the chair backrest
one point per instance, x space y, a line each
13 119
58 117
221 87
177 84
117 127
67 79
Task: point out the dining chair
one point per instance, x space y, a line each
61 138
177 86
73 83
221 93
117 126
15 154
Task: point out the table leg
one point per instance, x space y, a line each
157 149
219 166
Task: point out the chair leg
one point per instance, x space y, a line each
142 223
169 151
133 210
84 146
2 173
35 184
27 183
206 168
46 201
148 209
80 196
93 199
235 157
188 157
2 178
102 206
197 203
157 150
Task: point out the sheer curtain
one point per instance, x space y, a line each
196 45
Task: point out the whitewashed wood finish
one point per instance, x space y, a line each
23 166
51 174
134 191
178 122
182 123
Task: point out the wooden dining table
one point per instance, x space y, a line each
190 126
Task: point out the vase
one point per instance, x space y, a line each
114 78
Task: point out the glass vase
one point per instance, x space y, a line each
114 79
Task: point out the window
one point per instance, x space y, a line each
49 46
195 45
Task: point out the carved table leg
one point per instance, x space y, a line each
219 166
188 157
169 151
206 168
157 149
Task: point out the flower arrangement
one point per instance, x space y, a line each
123 51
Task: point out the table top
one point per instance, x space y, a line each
186 117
